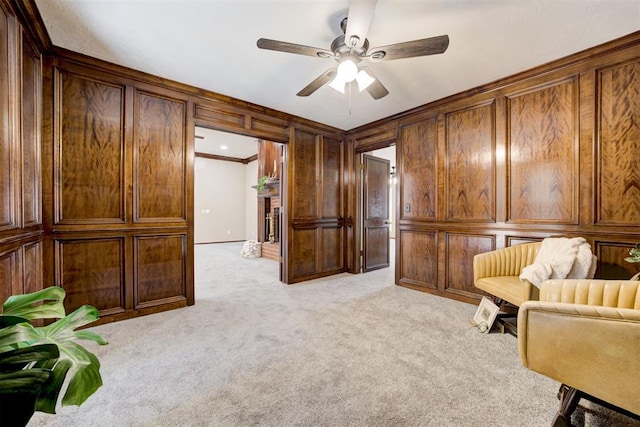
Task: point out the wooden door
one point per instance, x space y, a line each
313 206
375 213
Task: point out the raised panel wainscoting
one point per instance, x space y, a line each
119 227
21 249
552 151
96 173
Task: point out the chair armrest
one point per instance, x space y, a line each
608 293
507 261
591 348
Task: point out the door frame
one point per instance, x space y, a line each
359 189
282 271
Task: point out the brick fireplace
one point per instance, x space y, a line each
269 158
271 237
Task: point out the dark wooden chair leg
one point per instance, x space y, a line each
507 320
569 398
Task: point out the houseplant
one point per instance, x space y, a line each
35 361
262 181
634 256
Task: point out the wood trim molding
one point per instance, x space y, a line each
227 158
201 96
555 65
30 18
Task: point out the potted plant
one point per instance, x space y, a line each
35 361
262 181
634 256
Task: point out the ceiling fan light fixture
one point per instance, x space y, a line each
364 80
338 84
347 70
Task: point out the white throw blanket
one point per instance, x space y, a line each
561 258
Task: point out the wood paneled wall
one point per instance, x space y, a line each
20 184
118 180
554 151
106 174
118 212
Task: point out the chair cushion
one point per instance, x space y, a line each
508 288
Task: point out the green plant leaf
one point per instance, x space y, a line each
64 328
49 352
85 381
16 335
48 397
91 336
6 321
17 359
24 381
84 371
44 304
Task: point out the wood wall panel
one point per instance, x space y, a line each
418 258
269 159
91 271
377 254
159 159
32 267
304 201
332 239
459 253
619 144
90 152
270 128
8 143
303 251
121 155
224 118
31 122
418 169
550 152
159 269
518 240
314 206
470 164
331 179
10 277
543 154
377 137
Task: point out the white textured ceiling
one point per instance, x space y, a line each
226 144
211 44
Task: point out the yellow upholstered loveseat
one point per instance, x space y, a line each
586 335
497 272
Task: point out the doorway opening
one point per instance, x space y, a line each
237 190
377 189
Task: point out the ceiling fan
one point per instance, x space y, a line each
351 48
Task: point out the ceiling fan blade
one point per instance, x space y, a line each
293 48
358 22
422 47
375 89
319 81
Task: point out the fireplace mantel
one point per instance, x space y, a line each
271 189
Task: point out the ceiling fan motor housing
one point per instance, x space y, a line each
340 49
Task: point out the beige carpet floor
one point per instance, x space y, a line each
348 350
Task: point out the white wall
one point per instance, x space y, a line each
251 220
222 191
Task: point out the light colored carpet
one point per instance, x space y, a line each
349 350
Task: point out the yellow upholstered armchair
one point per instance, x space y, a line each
497 272
585 334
